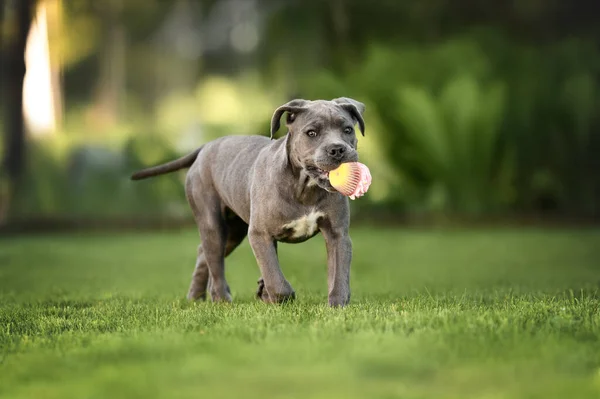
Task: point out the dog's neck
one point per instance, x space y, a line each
305 191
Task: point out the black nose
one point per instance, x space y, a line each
336 151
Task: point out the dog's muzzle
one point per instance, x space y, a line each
334 156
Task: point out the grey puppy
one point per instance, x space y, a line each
273 191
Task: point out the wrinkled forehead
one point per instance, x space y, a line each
325 114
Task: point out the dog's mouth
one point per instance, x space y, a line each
320 177
318 169
316 172
321 173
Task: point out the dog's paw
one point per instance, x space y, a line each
339 300
197 292
221 298
196 296
218 294
284 298
263 295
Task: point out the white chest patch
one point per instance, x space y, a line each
304 226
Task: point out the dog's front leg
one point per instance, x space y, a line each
339 257
277 287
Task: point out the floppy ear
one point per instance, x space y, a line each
355 108
292 107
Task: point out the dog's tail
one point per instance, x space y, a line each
183 162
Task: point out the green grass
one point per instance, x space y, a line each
434 314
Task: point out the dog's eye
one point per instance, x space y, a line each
311 133
348 130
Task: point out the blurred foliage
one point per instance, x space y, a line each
453 139
74 180
480 124
460 119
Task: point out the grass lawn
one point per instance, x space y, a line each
435 314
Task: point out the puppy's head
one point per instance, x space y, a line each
321 134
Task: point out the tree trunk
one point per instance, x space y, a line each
2 5
339 44
111 80
12 75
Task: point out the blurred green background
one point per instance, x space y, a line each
475 110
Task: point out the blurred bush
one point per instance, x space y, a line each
92 181
478 124
461 120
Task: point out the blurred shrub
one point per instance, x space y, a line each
44 189
93 181
480 124
554 126
471 125
452 139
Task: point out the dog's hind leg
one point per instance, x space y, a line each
206 207
237 230
213 232
200 278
